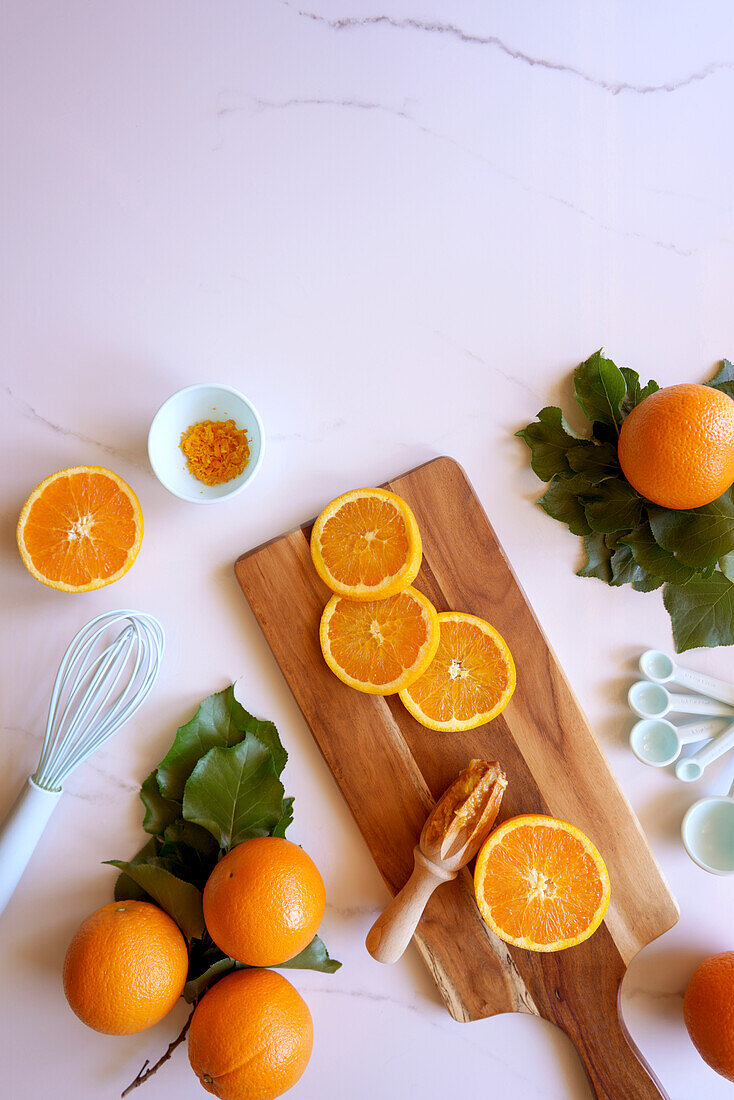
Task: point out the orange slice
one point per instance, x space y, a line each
366 545
80 529
541 884
381 646
468 682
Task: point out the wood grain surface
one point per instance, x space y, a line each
390 770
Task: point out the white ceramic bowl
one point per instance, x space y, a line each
204 401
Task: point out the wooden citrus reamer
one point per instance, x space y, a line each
390 770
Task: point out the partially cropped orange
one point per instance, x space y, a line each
541 884
469 681
366 545
677 446
381 646
80 529
125 968
251 1036
708 1010
264 902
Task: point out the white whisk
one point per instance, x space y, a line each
98 687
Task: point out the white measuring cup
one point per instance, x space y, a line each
649 700
658 742
690 768
708 833
662 669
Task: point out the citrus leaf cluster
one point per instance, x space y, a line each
628 539
218 784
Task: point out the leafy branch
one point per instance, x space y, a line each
628 539
218 785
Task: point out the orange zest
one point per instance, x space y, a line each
541 884
216 450
381 646
366 545
80 529
469 681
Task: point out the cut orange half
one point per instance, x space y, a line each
381 646
366 545
541 884
468 682
80 529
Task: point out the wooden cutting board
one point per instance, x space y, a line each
390 770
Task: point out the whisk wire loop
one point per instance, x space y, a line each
96 691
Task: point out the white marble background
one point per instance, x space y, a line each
397 230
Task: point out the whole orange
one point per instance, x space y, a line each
264 901
708 1010
251 1036
125 968
677 446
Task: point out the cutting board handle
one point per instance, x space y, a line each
616 1068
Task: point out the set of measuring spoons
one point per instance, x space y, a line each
708 826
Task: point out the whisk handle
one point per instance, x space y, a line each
20 833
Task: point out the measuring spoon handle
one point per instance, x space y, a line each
688 732
714 749
697 704
704 685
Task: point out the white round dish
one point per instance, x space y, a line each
203 401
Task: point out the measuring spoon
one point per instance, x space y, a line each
654 701
657 742
662 669
708 833
693 767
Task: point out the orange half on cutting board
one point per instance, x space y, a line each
541 884
80 529
381 646
366 545
468 682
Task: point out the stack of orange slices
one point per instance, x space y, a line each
381 635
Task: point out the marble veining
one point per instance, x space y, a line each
437 27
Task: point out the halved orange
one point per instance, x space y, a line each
468 682
379 646
541 884
366 545
80 529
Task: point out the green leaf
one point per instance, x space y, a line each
598 462
625 569
726 565
599 388
190 851
196 986
125 888
220 720
698 537
268 734
159 811
549 440
313 957
286 818
635 392
617 507
561 502
702 612
724 378
235 792
598 558
180 899
654 559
